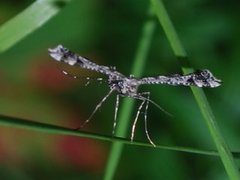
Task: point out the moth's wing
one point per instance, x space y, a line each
200 78
87 64
63 54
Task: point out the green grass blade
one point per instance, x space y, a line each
222 147
53 129
125 112
28 21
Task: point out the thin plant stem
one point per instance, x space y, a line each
179 51
127 105
29 20
53 129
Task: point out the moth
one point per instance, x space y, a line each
127 86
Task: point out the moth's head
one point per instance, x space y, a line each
61 53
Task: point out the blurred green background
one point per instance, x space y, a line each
33 87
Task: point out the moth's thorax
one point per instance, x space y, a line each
125 86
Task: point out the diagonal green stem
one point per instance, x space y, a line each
53 129
178 49
124 115
33 17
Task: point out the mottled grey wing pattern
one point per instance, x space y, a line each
63 54
200 78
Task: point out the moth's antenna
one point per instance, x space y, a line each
100 80
69 74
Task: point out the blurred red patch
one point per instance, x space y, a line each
82 153
48 76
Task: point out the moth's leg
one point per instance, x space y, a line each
135 120
145 118
96 108
115 114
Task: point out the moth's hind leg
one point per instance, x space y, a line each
145 100
145 118
135 120
115 115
